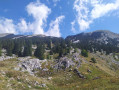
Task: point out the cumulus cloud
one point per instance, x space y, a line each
102 9
89 10
22 27
40 13
54 29
73 26
7 26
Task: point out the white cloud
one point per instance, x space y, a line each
22 27
54 29
73 26
84 24
89 10
7 26
102 9
40 13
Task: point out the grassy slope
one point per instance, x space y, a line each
10 78
108 79
63 80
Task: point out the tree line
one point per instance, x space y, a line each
23 46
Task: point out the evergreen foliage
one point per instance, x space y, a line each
39 52
28 49
84 53
0 50
93 60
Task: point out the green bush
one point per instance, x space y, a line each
93 60
84 53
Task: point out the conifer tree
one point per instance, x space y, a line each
39 52
27 50
17 48
9 47
0 50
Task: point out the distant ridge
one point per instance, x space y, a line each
5 34
94 34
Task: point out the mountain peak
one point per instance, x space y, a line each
102 36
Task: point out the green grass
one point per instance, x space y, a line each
62 80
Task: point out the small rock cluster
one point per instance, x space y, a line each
79 74
30 65
64 63
2 58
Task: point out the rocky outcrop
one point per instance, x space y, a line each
68 62
30 65
64 63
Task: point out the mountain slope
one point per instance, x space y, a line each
100 75
97 40
62 68
13 36
99 35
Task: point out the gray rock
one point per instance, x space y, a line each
64 63
79 74
31 65
89 71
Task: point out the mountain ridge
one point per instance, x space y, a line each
106 32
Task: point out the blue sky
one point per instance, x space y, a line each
58 17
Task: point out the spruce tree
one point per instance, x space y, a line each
17 48
27 50
0 50
9 47
39 52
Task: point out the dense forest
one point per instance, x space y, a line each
23 46
48 46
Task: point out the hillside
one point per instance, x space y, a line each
101 75
86 61
100 40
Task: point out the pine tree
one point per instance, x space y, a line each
84 53
39 52
0 50
9 47
27 50
17 48
9 52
